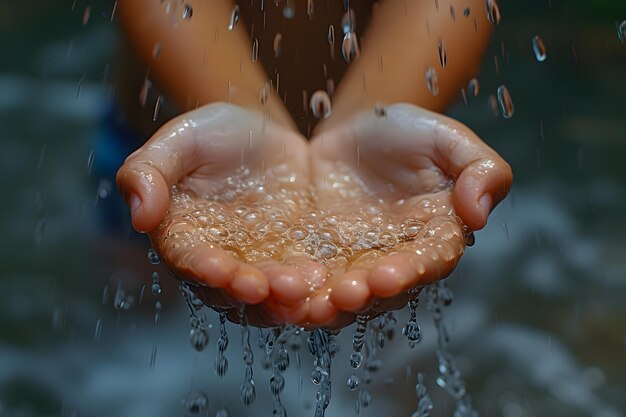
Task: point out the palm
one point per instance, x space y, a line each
307 234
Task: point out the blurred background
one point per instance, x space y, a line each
538 323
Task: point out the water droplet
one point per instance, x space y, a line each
470 239
380 110
196 403
466 11
539 49
424 403
289 10
255 50
411 331
222 412
355 359
505 102
350 47
443 53
320 104
86 15
278 44
331 35
157 108
621 31
473 87
493 12
248 392
493 105
221 366
156 287
265 93
199 338
277 383
234 17
187 11
353 382
348 21
156 50
310 8
279 411
432 81
365 398
143 93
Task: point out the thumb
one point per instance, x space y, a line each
147 175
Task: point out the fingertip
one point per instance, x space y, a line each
472 213
146 193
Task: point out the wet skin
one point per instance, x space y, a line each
311 233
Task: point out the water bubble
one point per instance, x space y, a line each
505 102
493 12
187 11
432 81
539 49
411 228
234 17
320 104
353 382
153 257
326 250
289 10
255 50
473 86
350 47
348 21
278 44
443 53
196 403
621 31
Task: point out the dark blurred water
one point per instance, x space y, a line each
539 318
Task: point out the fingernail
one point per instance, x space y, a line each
485 203
134 203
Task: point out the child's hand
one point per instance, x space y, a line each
416 165
418 152
310 234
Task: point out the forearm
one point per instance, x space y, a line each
199 60
401 43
